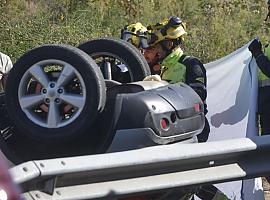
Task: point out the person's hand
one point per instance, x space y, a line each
255 47
152 78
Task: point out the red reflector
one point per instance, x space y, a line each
164 123
197 106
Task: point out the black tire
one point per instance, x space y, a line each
123 52
93 99
138 69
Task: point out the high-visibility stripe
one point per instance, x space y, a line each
261 75
172 69
264 83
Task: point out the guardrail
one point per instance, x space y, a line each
144 170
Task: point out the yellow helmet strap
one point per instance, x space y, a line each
167 49
153 38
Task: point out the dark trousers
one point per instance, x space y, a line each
264 119
264 109
264 112
203 136
207 192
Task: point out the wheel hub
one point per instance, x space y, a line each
52 93
51 103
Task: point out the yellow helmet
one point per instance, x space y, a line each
172 28
136 34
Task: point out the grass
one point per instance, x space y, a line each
215 27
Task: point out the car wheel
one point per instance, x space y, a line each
54 93
118 60
121 62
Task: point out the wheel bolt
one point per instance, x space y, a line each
52 85
47 100
60 91
44 91
57 100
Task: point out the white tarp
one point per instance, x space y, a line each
232 93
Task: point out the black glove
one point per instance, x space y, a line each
255 47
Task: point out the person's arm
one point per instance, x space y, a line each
196 76
264 64
262 60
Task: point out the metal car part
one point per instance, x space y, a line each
139 107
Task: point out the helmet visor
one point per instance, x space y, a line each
127 36
140 41
143 42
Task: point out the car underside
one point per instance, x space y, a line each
60 102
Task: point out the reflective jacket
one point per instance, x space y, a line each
177 67
263 62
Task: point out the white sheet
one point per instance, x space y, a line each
232 92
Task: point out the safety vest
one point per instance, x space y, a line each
263 79
171 69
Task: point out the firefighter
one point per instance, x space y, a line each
263 62
136 34
161 46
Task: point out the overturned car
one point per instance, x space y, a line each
64 101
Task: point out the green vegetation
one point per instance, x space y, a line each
215 27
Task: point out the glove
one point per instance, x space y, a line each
255 47
152 78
